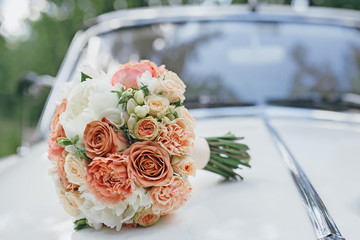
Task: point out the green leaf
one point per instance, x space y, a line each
76 139
84 77
63 142
81 154
145 89
80 224
178 103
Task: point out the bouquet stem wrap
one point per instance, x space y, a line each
227 155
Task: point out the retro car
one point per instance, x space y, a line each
285 78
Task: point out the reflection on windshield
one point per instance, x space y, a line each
238 63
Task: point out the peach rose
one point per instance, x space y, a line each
68 186
100 139
184 114
146 129
128 73
108 179
184 166
158 105
56 129
55 150
146 218
175 138
171 87
149 164
170 197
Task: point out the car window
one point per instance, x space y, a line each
242 63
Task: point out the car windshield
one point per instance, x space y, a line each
244 63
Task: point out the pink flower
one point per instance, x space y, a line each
55 150
128 73
108 179
170 197
175 137
56 129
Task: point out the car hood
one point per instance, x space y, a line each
266 205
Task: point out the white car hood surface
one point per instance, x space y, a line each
266 205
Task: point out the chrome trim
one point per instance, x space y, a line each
324 225
140 17
277 112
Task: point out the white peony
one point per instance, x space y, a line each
74 169
113 216
149 81
89 101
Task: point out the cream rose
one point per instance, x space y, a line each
158 105
91 100
184 114
171 87
74 169
146 218
184 166
71 201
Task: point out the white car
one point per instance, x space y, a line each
284 79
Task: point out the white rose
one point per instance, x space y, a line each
74 170
149 81
200 152
90 101
171 87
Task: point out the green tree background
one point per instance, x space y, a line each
44 49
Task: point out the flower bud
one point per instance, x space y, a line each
131 105
170 116
146 218
124 117
139 97
141 111
132 121
126 94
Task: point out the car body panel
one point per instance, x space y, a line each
265 205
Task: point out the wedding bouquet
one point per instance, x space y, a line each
122 147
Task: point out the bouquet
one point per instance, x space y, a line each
122 147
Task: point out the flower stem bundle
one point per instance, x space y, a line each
227 156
